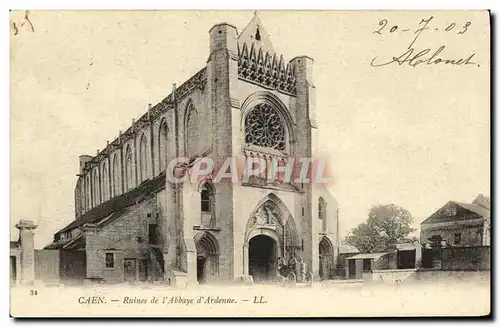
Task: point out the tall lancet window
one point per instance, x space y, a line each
162 146
88 192
207 202
97 194
192 131
143 155
129 170
264 128
322 212
105 182
116 187
81 196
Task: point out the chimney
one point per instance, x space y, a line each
482 201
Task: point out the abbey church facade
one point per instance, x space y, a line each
132 224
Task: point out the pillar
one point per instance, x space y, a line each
94 264
170 229
26 228
245 260
305 129
221 89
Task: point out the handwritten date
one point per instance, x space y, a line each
462 28
427 56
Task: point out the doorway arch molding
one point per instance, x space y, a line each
271 218
206 244
207 247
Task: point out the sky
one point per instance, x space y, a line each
413 136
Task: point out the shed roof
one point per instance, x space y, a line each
407 246
368 255
347 249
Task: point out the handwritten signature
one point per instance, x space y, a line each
427 56
414 59
26 20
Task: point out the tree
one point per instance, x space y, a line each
386 224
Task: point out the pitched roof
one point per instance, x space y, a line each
346 249
117 206
457 211
482 211
76 243
483 201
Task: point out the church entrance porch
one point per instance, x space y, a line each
325 257
270 239
262 258
207 257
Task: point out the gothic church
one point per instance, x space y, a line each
131 224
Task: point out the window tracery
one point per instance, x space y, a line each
264 128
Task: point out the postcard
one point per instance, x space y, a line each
250 163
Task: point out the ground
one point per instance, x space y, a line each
430 298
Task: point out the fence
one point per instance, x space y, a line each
457 258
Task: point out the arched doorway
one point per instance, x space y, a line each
270 234
207 257
325 257
262 257
201 274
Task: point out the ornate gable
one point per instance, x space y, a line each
258 62
254 34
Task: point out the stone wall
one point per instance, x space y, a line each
396 276
47 266
72 266
458 258
471 232
119 238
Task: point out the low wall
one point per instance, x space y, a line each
389 275
392 276
47 266
452 275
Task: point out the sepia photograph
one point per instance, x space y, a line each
252 163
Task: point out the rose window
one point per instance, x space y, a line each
263 127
